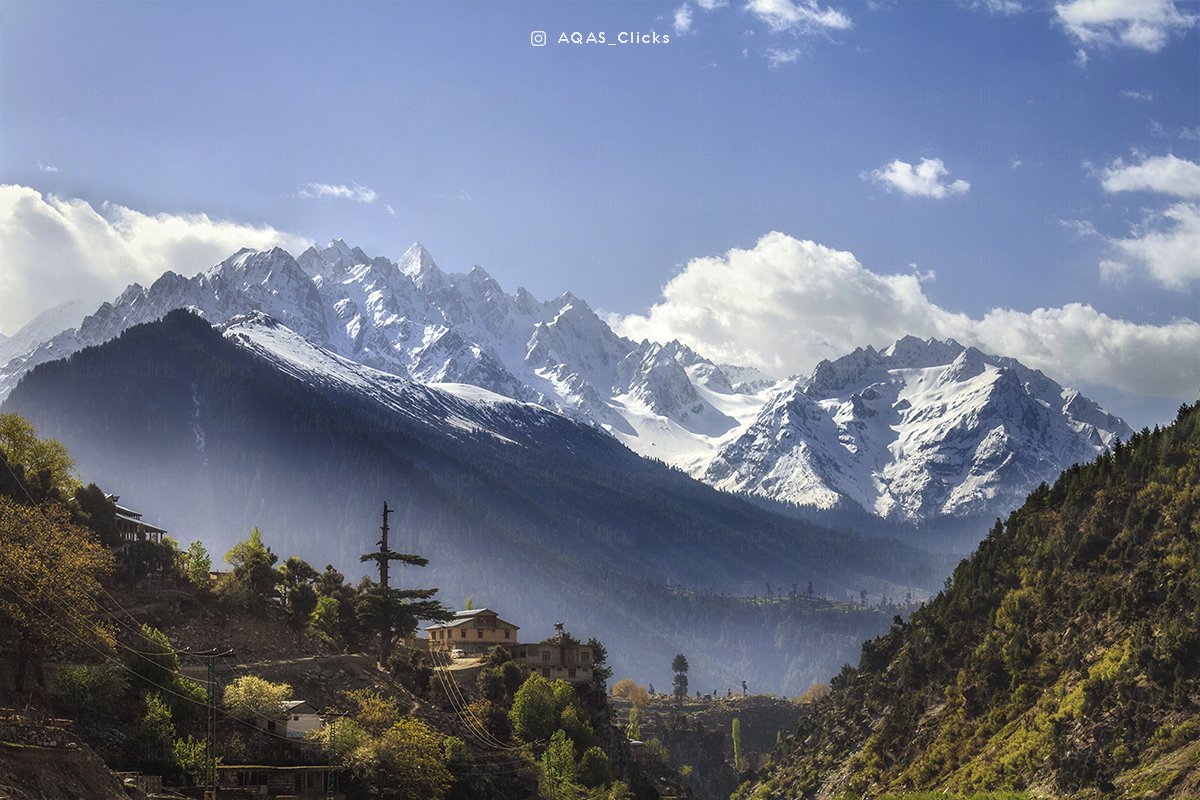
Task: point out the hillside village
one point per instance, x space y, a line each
270 679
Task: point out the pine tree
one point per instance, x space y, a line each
389 612
679 666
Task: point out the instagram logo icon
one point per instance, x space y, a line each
537 38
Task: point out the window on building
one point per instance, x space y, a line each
545 655
507 634
571 673
585 656
464 633
545 672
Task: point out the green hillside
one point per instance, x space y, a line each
1061 660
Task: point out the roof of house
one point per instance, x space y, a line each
140 523
292 705
463 617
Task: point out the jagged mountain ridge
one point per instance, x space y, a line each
841 436
545 517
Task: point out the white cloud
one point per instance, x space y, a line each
1141 24
683 19
777 58
709 5
1113 271
1167 246
799 16
923 180
1137 94
1003 7
1164 174
65 249
338 191
1015 163
391 211
785 304
45 167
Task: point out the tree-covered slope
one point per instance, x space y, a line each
1063 657
541 517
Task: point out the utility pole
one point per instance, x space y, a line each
209 657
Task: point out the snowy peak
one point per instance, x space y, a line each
419 266
923 429
920 429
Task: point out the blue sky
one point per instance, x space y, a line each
606 170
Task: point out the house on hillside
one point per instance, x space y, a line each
132 527
559 657
299 717
474 631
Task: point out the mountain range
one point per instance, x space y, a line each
920 431
211 432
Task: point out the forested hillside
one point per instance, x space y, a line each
1063 656
541 517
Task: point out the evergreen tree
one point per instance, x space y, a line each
679 666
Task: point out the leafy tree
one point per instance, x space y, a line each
191 754
679 666
374 712
407 762
594 768
150 743
197 565
558 764
254 564
98 513
534 713
634 729
324 616
91 693
251 696
338 738
50 572
629 689
296 582
21 445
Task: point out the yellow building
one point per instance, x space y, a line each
474 631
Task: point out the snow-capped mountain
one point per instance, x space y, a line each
919 430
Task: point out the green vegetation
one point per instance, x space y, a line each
1064 654
250 696
679 683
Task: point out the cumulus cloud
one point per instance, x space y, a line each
46 167
786 303
338 191
1142 24
683 19
65 249
1164 174
1163 245
923 180
799 16
1166 246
